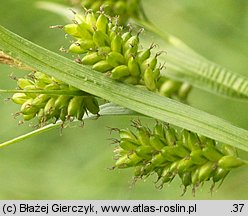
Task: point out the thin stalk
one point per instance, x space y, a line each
108 109
31 134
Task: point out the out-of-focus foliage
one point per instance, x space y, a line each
74 165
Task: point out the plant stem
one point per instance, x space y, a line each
108 109
30 134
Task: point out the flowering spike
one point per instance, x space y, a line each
109 49
48 106
168 152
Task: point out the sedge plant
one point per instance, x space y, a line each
112 64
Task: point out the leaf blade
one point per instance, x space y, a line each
144 102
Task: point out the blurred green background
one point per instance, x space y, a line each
74 165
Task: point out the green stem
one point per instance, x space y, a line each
108 109
31 134
49 92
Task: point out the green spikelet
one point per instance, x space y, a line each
110 49
52 106
168 152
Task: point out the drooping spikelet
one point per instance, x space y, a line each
168 152
58 100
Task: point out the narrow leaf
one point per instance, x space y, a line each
131 97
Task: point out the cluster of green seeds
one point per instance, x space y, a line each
47 99
125 9
111 51
168 152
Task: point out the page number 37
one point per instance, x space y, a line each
237 207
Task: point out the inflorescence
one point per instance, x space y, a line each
110 49
58 100
169 152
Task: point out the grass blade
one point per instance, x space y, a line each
131 97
